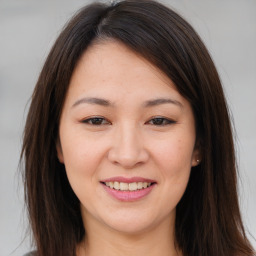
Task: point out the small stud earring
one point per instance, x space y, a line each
198 161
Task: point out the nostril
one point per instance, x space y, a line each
128 158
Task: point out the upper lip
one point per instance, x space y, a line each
128 180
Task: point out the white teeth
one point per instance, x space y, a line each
127 186
133 186
145 184
111 184
116 185
124 186
140 185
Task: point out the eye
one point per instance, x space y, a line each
97 120
160 121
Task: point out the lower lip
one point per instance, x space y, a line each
128 196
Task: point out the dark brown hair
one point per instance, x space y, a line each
208 220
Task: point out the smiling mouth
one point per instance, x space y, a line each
123 186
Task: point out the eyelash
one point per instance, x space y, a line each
163 121
95 121
157 121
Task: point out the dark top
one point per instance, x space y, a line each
30 254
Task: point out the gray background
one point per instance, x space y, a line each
28 28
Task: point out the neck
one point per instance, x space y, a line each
152 242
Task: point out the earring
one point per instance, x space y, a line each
198 161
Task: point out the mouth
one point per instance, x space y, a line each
124 186
128 189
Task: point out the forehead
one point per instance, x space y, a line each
113 55
109 69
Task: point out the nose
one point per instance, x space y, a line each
127 148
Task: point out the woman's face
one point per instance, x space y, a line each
127 140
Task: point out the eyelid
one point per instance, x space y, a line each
89 119
103 121
164 119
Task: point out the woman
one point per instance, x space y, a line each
128 146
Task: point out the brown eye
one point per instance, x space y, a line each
96 121
160 121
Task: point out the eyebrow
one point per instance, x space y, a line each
107 103
160 101
94 101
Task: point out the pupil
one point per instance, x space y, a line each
97 120
158 121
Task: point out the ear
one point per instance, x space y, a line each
59 151
197 155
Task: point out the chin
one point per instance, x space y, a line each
131 224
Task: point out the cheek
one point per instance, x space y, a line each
174 152
174 160
174 163
82 163
82 156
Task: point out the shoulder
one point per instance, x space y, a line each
30 254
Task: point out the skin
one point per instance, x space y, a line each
127 141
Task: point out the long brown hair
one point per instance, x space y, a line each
208 220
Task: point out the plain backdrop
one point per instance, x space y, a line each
28 29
